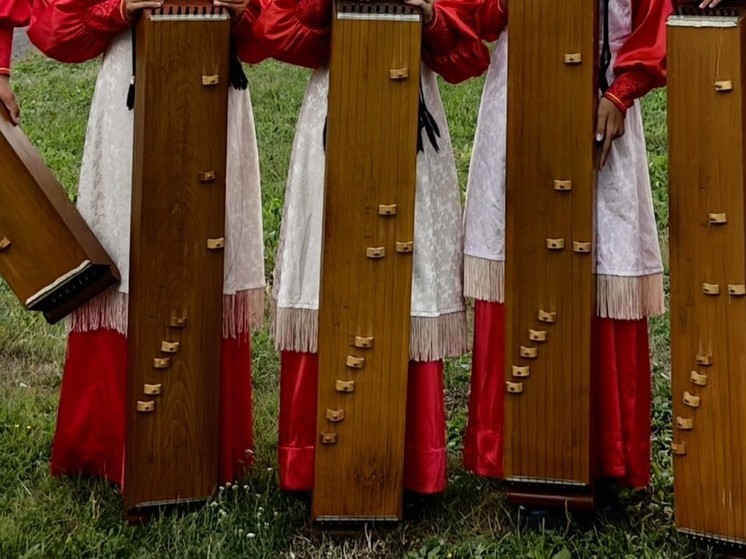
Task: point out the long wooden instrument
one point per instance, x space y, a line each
551 176
367 260
176 281
707 151
48 255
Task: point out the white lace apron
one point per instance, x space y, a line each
105 189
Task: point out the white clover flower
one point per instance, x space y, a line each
250 535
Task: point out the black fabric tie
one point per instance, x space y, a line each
605 62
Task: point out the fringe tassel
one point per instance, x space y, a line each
107 311
438 338
630 298
431 339
294 329
484 279
242 313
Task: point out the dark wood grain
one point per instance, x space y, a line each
48 237
551 120
180 132
371 161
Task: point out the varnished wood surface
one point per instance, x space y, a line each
551 125
180 132
706 176
48 237
371 161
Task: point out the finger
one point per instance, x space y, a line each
606 149
9 102
601 127
416 3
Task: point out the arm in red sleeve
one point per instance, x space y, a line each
13 13
641 62
491 20
450 44
75 30
249 50
294 31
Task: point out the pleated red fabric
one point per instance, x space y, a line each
622 396
425 454
90 434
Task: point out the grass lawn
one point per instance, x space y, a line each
42 517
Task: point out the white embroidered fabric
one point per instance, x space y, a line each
437 278
626 235
105 189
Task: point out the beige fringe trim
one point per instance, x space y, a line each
438 338
294 329
431 339
630 298
107 311
242 313
484 279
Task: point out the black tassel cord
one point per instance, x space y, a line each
425 121
236 74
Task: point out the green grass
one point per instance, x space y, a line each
80 518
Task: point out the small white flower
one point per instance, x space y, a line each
214 504
261 509
269 469
222 513
276 514
235 488
221 489
251 535
23 385
245 487
228 484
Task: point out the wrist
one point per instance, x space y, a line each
5 74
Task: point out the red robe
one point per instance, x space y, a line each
90 434
620 352
299 32
13 13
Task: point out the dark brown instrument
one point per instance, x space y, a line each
176 283
366 285
551 176
48 254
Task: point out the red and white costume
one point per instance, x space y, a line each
628 267
298 32
90 433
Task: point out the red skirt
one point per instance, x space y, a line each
622 391
425 452
90 434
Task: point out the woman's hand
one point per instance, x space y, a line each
132 7
609 127
427 8
235 7
8 99
709 3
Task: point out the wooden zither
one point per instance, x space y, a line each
364 323
48 255
551 177
707 150
176 278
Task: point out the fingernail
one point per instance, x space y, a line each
599 137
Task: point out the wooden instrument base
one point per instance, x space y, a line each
582 499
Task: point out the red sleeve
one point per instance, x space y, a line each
243 32
641 62
491 20
294 31
75 30
450 44
13 13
